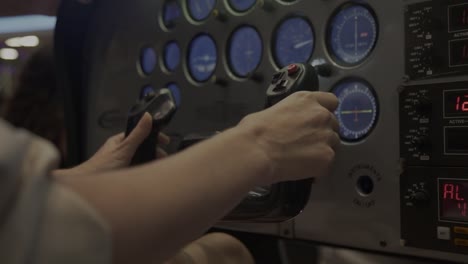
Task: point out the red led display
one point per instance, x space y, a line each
453 200
458 17
461 104
456 103
459 53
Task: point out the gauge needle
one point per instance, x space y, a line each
356 119
302 44
352 112
356 113
355 35
204 58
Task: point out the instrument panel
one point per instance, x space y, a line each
399 183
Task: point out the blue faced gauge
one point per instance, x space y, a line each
352 34
202 58
171 12
294 42
200 9
241 5
148 60
171 56
245 51
357 111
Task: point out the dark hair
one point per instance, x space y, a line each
37 102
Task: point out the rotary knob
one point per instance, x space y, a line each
424 144
424 105
420 196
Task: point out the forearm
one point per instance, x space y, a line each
156 209
80 170
27 7
86 168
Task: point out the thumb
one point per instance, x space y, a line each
139 133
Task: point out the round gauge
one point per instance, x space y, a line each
202 58
200 9
294 42
146 90
241 5
357 110
245 51
148 60
172 56
352 34
171 12
175 90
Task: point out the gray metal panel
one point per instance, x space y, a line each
337 213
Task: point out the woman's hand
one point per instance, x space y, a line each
118 151
298 135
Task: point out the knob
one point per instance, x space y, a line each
420 196
424 144
425 105
323 68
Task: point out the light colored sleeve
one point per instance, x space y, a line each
41 221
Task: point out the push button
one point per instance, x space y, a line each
292 69
443 233
460 230
461 242
281 86
278 76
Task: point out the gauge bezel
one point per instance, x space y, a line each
231 8
191 18
275 38
187 67
228 51
286 2
139 60
329 29
377 108
162 12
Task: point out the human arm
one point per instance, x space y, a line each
29 7
156 209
